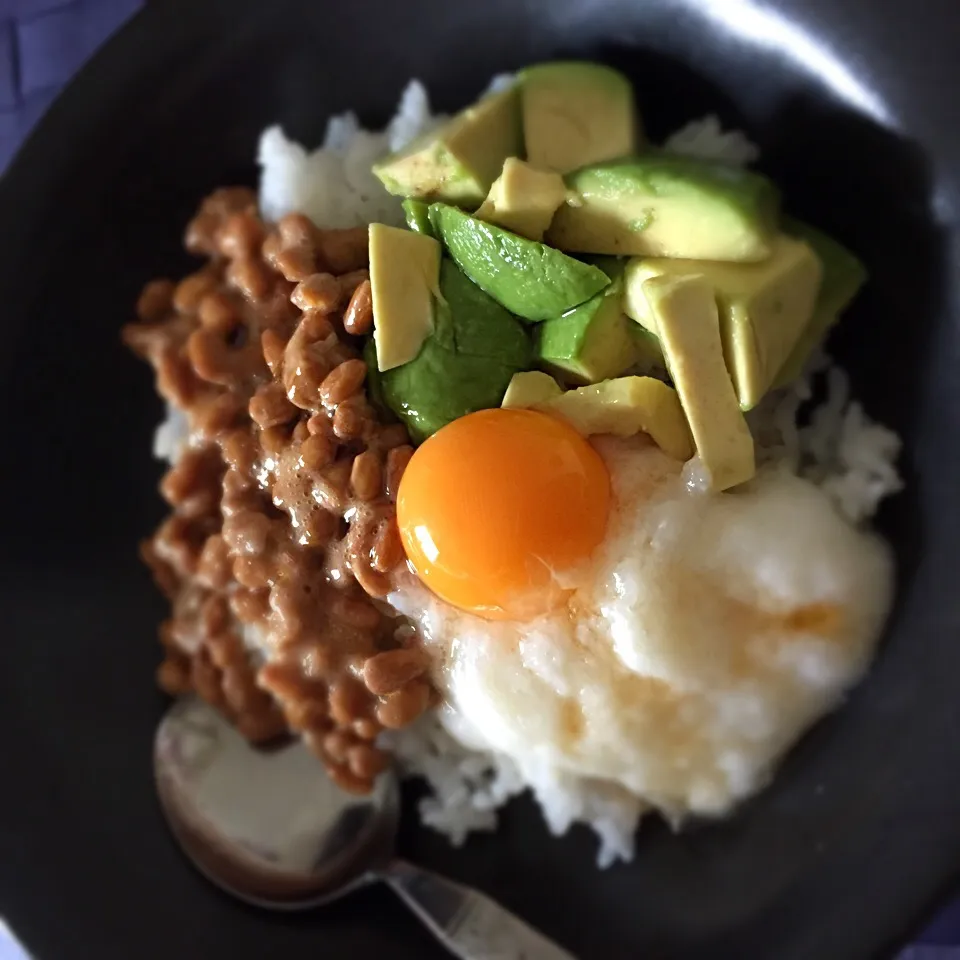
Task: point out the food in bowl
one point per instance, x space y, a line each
497 446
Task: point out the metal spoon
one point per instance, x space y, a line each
271 828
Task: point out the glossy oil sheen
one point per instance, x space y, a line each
854 105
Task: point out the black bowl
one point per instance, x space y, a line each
854 106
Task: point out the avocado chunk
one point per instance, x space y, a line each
843 276
612 266
523 199
404 273
440 386
764 307
576 113
458 162
658 205
647 346
417 215
689 328
623 407
473 324
530 389
531 280
590 343
465 365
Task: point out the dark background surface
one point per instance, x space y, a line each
860 832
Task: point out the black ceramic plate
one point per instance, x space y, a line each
854 104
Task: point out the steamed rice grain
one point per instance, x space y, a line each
707 140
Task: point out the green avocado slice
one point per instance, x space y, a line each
440 386
375 380
463 366
590 343
473 324
533 281
417 215
658 205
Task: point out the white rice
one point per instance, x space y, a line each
706 139
170 437
333 185
839 448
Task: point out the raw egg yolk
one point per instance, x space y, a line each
497 506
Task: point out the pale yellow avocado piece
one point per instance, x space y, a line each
623 407
627 406
523 199
689 328
576 113
458 162
404 278
530 390
764 307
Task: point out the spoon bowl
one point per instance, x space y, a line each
268 826
271 828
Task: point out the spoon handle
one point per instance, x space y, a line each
470 925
